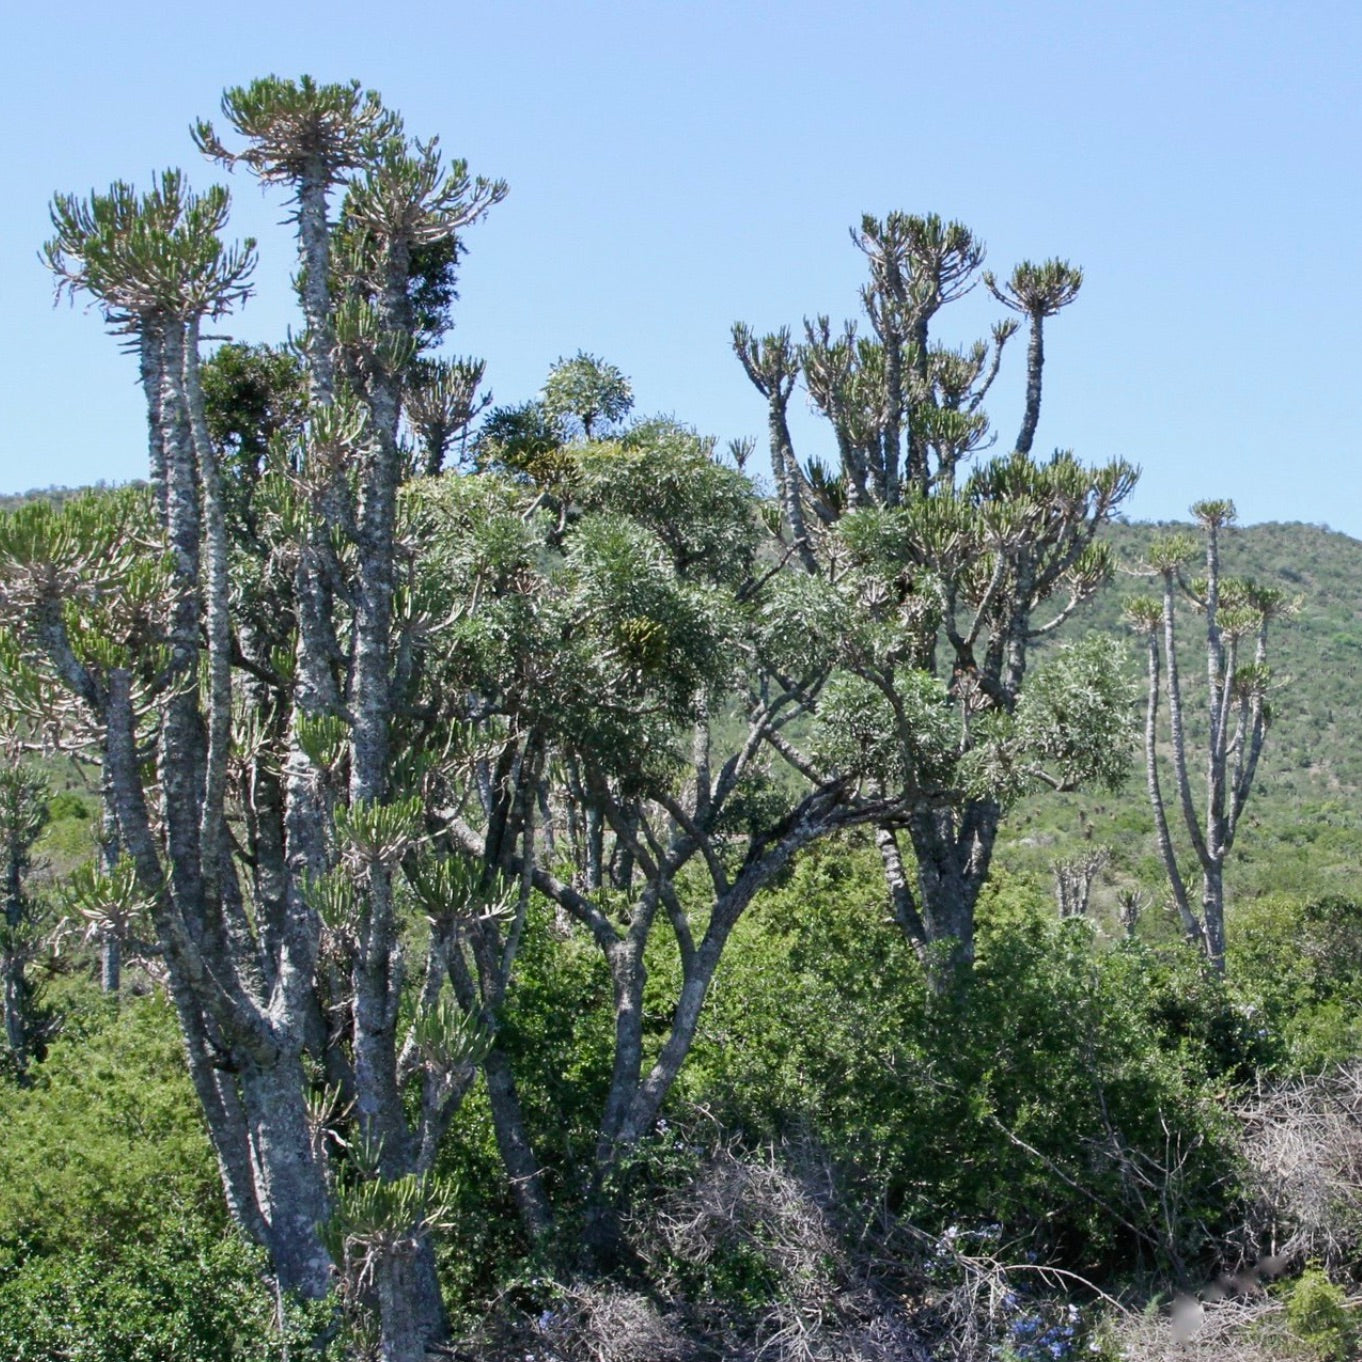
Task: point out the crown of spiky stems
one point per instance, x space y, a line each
441 402
969 566
410 194
1214 515
918 262
1036 291
772 362
296 129
407 200
149 256
306 136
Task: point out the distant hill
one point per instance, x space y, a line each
1302 831
10 501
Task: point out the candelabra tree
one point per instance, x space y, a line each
1238 614
245 656
962 575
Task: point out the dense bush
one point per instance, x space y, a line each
1071 1093
108 1144
1298 967
1073 1103
114 1243
192 1293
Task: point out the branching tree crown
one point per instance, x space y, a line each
933 585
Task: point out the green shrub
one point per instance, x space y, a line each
67 804
108 1142
1297 967
1070 1094
191 1294
114 1240
1319 1318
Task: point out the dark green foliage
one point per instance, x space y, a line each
108 1141
661 474
1298 967
252 394
114 1243
67 805
191 1293
557 1028
432 279
524 439
1067 1095
589 390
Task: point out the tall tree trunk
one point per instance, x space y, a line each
517 1155
110 963
289 1186
786 468
952 865
1163 836
1213 914
402 1285
1035 364
110 945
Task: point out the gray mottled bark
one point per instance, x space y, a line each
400 1281
1163 836
213 849
110 964
901 898
289 1184
314 252
1035 364
150 360
786 468
222 1111
523 1168
110 946
258 1119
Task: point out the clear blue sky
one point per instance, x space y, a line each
675 167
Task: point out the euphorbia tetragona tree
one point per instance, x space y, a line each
1237 614
247 709
962 575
